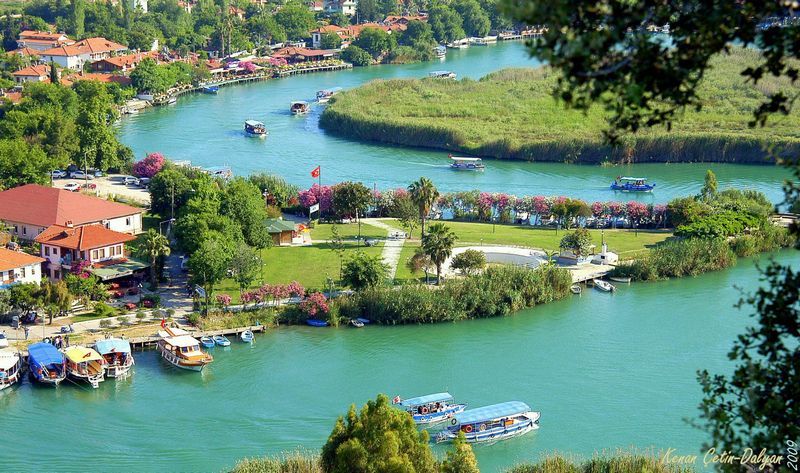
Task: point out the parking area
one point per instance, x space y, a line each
110 185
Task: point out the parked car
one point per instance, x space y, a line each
130 181
58 174
96 172
144 181
80 175
91 186
72 187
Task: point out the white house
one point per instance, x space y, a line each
17 267
61 246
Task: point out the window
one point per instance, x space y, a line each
24 230
56 274
22 272
16 229
47 251
55 250
128 222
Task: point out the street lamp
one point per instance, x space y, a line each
171 220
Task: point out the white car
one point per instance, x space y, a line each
131 181
72 187
58 174
80 175
3 340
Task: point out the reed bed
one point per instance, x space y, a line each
620 462
511 114
297 462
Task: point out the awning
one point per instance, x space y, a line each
118 270
417 401
492 412
112 345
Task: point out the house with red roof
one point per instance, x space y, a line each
17 267
41 40
124 63
293 54
89 50
37 73
31 208
89 248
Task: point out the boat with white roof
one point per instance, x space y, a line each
118 356
431 408
10 368
632 184
182 350
490 423
460 163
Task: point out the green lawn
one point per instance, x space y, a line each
309 265
322 231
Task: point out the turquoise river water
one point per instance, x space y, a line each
207 130
606 371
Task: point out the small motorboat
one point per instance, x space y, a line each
254 128
247 336
356 323
575 289
604 286
632 184
210 89
207 342
300 108
324 96
221 340
442 75
620 279
316 323
171 100
363 321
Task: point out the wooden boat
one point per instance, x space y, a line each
356 323
620 279
221 340
442 75
10 368
252 127
324 96
182 350
46 364
207 342
466 164
459 44
575 289
363 320
210 89
85 364
316 323
490 423
299 108
440 51
632 184
247 336
604 286
118 356
431 408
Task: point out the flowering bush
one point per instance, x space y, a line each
598 209
315 304
636 211
149 166
316 194
78 268
224 300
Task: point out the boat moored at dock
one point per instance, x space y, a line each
46 364
179 349
210 89
324 96
10 368
117 354
299 107
632 184
490 423
255 128
460 163
442 75
247 336
207 342
221 340
431 408
85 364
604 286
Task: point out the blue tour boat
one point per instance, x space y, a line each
221 340
466 164
207 342
47 365
632 184
431 408
316 323
210 89
489 423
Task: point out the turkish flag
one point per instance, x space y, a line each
315 172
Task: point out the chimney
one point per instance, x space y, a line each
68 224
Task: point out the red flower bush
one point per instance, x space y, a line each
315 304
149 166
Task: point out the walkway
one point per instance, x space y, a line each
392 246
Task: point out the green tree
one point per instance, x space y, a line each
709 189
476 21
407 213
460 458
356 56
446 24
24 297
363 271
417 33
379 438
78 18
469 261
424 195
420 261
578 242
350 199
296 20
99 147
265 29
241 200
245 265
54 297
54 76
367 10
22 163
375 41
330 40
148 78
339 19
154 247
209 264
141 36
438 245
170 189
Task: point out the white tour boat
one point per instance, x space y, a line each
431 408
490 423
10 367
182 350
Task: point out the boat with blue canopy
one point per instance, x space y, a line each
210 89
490 423
316 323
118 356
255 128
431 408
632 184
47 365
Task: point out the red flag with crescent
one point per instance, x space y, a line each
315 172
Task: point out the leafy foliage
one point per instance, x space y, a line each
578 242
364 271
469 261
438 245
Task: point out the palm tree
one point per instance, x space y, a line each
155 245
423 194
438 245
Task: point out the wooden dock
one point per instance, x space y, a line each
333 67
143 343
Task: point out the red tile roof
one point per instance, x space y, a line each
10 259
41 35
33 71
99 77
129 59
86 237
100 45
64 50
44 206
25 52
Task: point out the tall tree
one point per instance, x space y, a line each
446 23
476 21
209 264
424 195
241 200
296 20
245 264
55 298
78 18
363 271
99 147
460 458
438 245
709 189
154 247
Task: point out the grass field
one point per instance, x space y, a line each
348 231
512 114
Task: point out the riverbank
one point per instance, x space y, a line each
511 114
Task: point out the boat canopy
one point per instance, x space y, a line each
495 411
632 178
82 354
253 123
440 73
8 359
299 102
418 401
44 354
466 160
182 341
113 345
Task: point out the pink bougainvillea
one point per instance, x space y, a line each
296 289
224 300
541 206
598 209
316 194
149 166
79 268
614 208
248 66
315 304
636 211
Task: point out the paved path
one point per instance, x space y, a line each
391 247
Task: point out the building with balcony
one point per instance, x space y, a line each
17 267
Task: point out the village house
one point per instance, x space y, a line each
281 231
41 40
122 64
294 54
92 248
316 35
28 210
38 73
346 7
88 50
350 33
17 267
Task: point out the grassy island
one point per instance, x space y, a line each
511 114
